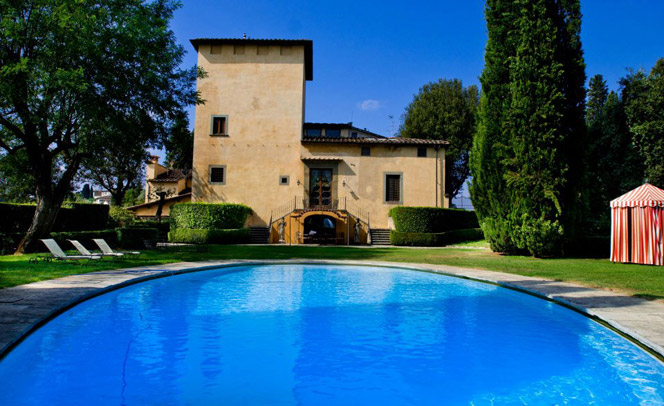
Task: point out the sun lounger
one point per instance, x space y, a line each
107 250
58 254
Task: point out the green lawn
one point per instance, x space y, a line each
644 281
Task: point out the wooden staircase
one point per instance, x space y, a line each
259 235
380 236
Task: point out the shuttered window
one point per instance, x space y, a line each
393 188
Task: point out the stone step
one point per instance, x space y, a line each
380 236
259 235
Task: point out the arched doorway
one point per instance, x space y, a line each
320 229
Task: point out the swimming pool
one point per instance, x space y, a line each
311 334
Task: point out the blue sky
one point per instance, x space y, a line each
370 57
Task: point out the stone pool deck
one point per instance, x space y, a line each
24 308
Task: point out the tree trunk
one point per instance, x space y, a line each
118 197
42 223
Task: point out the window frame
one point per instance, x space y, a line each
212 133
335 130
422 155
320 132
365 148
225 174
400 175
281 177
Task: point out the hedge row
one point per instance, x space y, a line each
209 216
128 237
432 219
435 239
16 218
200 236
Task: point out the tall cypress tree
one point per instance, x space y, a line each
489 192
537 154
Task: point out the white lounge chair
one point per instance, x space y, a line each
107 250
58 254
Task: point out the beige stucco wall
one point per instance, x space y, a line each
263 97
364 176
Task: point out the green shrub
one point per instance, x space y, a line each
134 237
435 239
466 234
162 226
16 218
121 217
82 217
199 236
209 216
8 243
431 219
84 237
416 239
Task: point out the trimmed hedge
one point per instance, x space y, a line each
199 236
85 238
16 218
432 219
435 239
209 216
133 237
9 242
162 226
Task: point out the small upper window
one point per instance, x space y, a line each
313 132
422 152
215 49
365 151
218 174
332 133
284 180
392 188
219 125
353 134
238 49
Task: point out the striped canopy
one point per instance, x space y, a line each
645 195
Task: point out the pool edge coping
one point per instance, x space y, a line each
654 349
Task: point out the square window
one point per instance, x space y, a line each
238 49
262 50
286 50
422 152
392 188
215 49
218 174
365 151
284 180
353 134
219 125
313 132
332 133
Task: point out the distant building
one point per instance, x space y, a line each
161 183
306 182
101 197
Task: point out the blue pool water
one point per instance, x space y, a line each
316 335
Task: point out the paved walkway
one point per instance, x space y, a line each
25 307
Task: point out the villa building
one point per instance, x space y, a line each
306 182
164 187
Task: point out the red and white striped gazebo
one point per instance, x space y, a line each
637 226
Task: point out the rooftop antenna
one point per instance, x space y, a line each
391 117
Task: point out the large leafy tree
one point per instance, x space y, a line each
643 96
535 181
614 166
445 110
67 68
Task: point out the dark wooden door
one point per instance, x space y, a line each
320 187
